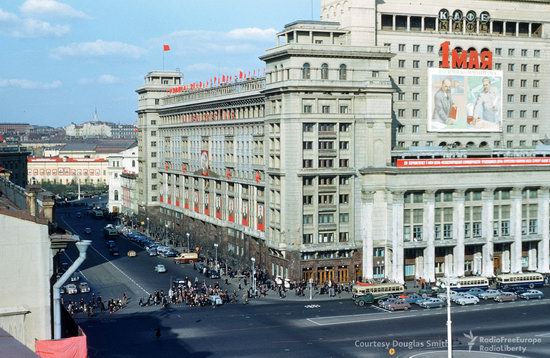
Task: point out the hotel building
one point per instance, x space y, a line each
332 166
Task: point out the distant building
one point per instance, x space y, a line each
14 128
99 129
14 159
123 168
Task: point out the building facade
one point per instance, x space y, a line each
123 163
67 170
337 166
14 159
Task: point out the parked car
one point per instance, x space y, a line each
443 295
531 294
398 305
114 251
489 294
364 299
412 298
132 253
386 302
517 290
213 274
475 291
171 253
87 231
467 300
428 292
110 243
71 289
160 268
506 297
84 288
216 300
152 252
431 302
75 277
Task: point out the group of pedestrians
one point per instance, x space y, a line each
96 304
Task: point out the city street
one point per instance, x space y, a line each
275 328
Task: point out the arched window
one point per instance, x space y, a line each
343 72
116 194
324 71
306 71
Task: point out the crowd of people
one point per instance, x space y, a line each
96 304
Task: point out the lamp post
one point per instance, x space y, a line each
188 247
253 275
446 283
216 257
165 232
147 219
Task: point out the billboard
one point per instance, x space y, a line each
464 100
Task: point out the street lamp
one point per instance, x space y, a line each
216 257
188 247
253 259
147 226
446 283
165 233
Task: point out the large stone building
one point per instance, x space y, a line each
14 159
122 168
339 165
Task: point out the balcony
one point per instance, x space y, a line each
327 226
327 188
327 134
327 153
327 207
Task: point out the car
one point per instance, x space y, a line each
517 290
506 297
215 300
132 253
431 302
87 231
213 274
532 294
71 289
110 243
489 294
467 300
475 291
443 295
428 292
387 301
75 277
160 268
171 253
412 298
398 305
364 299
114 251
199 266
152 252
84 287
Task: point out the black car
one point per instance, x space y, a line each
517 290
114 251
213 274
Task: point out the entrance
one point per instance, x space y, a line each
496 265
343 274
325 275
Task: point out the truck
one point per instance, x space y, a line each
187 258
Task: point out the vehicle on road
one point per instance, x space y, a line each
132 253
110 244
114 251
506 297
213 274
489 294
530 280
412 298
398 305
428 292
216 300
171 253
71 289
387 301
98 214
159 268
110 233
152 251
187 258
443 295
467 300
532 294
84 287
466 283
75 277
87 231
378 290
431 302
475 291
364 299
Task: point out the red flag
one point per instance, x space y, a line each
166 47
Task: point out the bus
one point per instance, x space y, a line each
529 279
466 283
378 290
110 233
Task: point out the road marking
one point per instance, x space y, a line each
544 335
382 309
107 260
78 270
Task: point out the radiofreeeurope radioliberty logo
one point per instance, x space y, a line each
500 344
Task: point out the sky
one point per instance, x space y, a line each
61 60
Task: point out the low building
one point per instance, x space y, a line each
67 170
14 159
123 163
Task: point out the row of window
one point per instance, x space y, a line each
306 71
415 128
471 195
496 144
510 114
325 145
326 127
325 163
498 66
325 199
325 237
308 108
497 52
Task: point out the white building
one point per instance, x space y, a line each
122 167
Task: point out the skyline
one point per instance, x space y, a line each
62 60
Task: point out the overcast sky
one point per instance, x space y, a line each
60 60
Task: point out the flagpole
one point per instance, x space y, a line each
163 59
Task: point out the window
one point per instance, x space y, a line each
523 53
522 129
416 80
308 163
326 163
523 83
536 68
401 47
325 109
308 108
308 145
344 199
326 127
344 145
535 114
345 127
536 53
535 129
498 66
306 71
153 165
522 113
430 49
401 144
415 128
510 98
343 72
344 218
324 71
400 128
307 200
401 64
511 67
344 236
523 67
498 51
416 48
344 109
375 74
308 219
327 237
153 154
308 127
153 175
153 144
509 129
430 64
401 96
416 96
326 218
415 113
153 133
344 163
116 194
535 98
511 52
401 80
307 181
510 114
535 83
326 144
523 98
307 239
509 144
401 113
510 83
154 187
416 64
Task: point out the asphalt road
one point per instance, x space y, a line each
287 329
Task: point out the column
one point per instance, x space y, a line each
458 232
422 24
419 266
515 247
506 260
543 229
487 215
398 256
367 206
428 236
393 23
532 255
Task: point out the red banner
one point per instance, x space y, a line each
207 203
261 215
196 201
472 162
245 213
161 198
218 207
73 347
231 210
